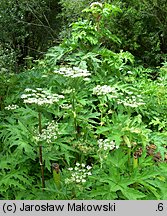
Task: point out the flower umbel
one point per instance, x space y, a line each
50 133
79 173
103 90
106 144
40 96
131 100
11 107
73 72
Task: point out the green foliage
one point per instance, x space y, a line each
116 181
23 25
70 11
93 112
141 28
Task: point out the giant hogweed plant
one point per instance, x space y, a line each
85 47
40 97
98 128
19 136
109 126
125 132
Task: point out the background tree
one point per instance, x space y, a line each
142 29
27 30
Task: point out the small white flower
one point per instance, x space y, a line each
73 72
73 174
83 165
87 79
84 175
129 72
50 133
23 96
103 90
78 180
106 144
39 89
76 168
89 173
66 106
130 92
27 89
11 107
89 167
79 173
40 97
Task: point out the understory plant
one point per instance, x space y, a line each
92 119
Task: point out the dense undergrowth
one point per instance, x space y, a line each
94 112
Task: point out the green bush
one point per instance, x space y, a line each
90 114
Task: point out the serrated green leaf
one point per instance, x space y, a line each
132 194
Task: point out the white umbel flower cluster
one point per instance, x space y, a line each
40 96
79 173
103 90
11 107
106 144
49 134
131 100
73 72
66 106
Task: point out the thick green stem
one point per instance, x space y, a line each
56 175
129 156
135 162
40 150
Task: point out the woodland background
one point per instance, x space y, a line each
83 84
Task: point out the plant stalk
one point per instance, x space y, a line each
40 151
74 111
129 156
135 162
